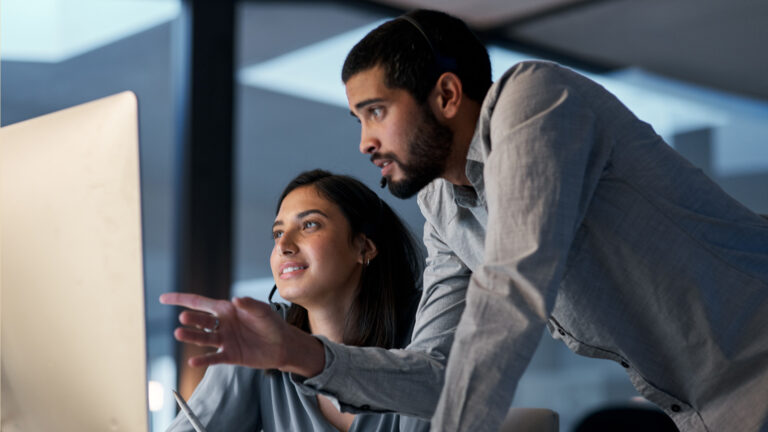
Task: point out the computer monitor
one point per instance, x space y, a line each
72 296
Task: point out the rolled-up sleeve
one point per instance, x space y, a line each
409 380
540 172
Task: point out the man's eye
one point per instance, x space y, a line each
310 224
277 234
377 112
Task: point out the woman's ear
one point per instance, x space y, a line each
448 94
368 250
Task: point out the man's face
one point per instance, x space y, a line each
403 137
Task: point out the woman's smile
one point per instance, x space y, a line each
291 269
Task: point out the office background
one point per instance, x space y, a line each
237 97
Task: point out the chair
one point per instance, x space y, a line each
531 420
627 419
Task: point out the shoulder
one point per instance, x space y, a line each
537 72
529 82
537 91
523 74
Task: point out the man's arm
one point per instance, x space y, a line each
539 175
406 380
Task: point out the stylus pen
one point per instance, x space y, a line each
188 412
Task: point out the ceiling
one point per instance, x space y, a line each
714 43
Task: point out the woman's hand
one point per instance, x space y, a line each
245 332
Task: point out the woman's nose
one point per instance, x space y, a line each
286 245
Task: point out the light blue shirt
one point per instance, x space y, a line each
240 399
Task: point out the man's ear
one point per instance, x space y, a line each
447 95
368 250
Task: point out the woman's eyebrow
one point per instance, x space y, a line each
306 213
302 215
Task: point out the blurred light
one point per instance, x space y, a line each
312 72
162 372
156 396
56 30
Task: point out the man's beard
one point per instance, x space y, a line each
428 149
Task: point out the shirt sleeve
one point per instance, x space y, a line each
406 380
540 172
227 399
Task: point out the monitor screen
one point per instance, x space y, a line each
72 346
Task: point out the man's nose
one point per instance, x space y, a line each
368 143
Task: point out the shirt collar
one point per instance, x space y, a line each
474 196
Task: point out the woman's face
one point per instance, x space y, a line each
314 260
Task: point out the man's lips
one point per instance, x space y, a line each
386 168
386 165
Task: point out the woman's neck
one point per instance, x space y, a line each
328 317
329 322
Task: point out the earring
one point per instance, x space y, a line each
367 262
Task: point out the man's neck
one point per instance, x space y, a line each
463 131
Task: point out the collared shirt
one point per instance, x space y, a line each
581 219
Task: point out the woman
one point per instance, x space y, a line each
349 267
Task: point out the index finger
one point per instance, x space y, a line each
191 301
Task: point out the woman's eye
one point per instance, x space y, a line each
277 234
310 224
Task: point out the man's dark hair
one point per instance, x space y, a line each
382 312
413 60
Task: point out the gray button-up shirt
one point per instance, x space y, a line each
582 220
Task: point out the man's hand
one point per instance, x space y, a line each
246 332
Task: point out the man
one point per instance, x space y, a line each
548 204
569 213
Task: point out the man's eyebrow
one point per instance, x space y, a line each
362 104
302 215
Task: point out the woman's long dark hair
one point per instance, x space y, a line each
382 312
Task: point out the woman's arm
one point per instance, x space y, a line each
227 399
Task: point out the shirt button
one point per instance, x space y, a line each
561 331
625 365
675 408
